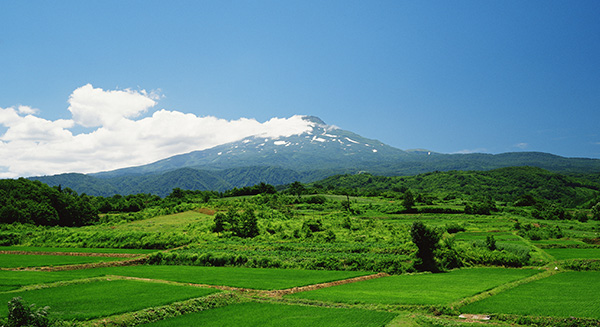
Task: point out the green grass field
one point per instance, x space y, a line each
79 250
10 280
563 295
104 298
34 260
166 223
269 314
564 254
422 289
254 278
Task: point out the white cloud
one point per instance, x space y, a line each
95 107
27 110
32 145
522 146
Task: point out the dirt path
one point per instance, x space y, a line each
279 293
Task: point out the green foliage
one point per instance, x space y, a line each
521 185
454 228
243 225
22 314
408 200
261 188
596 211
427 241
31 202
490 242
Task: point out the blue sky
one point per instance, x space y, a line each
459 76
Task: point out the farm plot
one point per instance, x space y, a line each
421 289
36 260
563 295
10 280
104 298
566 253
269 314
254 278
78 250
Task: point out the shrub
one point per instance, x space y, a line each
454 228
21 314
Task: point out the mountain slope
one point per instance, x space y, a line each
323 151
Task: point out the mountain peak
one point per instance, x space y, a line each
314 119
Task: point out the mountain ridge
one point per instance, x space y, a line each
323 151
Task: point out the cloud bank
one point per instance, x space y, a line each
31 145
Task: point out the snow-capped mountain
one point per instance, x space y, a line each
322 147
320 152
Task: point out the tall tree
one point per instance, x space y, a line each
427 241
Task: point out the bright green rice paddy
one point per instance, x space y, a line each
104 298
35 260
420 289
563 295
269 314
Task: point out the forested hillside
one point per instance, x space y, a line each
505 184
25 201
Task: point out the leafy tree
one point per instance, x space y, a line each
490 242
244 225
247 225
596 211
408 200
221 223
427 241
177 193
297 188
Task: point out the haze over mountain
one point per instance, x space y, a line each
322 151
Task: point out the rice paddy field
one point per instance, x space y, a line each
568 294
271 314
253 278
419 289
34 260
76 250
569 253
83 301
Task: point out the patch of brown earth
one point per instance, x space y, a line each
207 211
